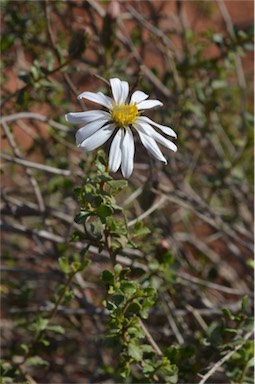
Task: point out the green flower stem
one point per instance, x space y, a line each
108 246
69 280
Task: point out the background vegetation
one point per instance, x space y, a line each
148 280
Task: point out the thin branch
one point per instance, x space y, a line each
230 28
57 54
32 180
125 39
193 202
225 358
150 339
41 167
198 317
208 284
126 257
169 306
145 214
36 116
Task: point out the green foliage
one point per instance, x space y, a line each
231 335
101 217
128 303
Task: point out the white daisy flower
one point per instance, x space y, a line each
119 117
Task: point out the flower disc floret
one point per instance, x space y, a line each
124 114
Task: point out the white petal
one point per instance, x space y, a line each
166 130
98 138
151 145
128 150
138 96
84 132
115 151
149 131
149 104
125 91
110 100
98 98
120 90
85 117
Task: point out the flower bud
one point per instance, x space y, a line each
109 25
113 9
79 42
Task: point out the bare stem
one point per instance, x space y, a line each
224 359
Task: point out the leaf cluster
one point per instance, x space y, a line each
128 302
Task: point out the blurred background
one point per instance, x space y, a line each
197 58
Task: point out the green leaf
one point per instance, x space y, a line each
108 277
110 305
84 252
75 266
250 263
168 258
117 269
128 287
147 348
100 161
64 264
245 303
56 329
40 324
134 307
118 184
88 197
104 177
45 342
84 264
135 352
116 208
24 347
125 371
135 331
228 314
140 229
248 324
148 367
76 235
118 299
98 200
34 72
36 360
154 265
218 39
219 84
6 41
142 232
97 228
119 242
78 266
104 210
82 217
111 341
123 273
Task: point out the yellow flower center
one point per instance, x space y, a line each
124 114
